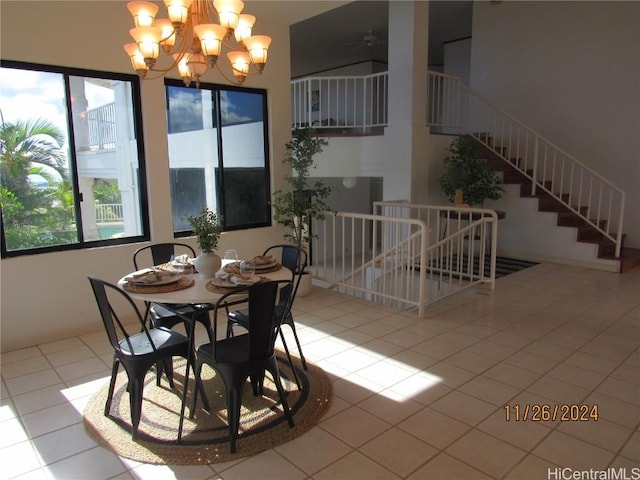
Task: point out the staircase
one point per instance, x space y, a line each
580 197
566 217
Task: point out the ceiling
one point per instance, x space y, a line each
336 38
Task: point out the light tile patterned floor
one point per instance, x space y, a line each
414 398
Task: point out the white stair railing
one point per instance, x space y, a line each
462 244
381 257
586 193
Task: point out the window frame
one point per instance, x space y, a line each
81 244
216 90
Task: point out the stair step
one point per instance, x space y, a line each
546 203
568 218
589 234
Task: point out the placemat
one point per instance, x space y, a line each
216 289
181 284
235 268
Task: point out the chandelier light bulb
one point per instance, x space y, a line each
178 11
243 30
148 39
137 60
257 46
143 13
228 13
211 36
239 64
183 67
168 34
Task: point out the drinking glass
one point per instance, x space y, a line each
247 267
229 256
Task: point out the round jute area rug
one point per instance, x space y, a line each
205 438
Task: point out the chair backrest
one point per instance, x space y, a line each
295 259
158 253
262 302
110 300
261 306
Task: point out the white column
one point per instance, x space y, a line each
127 159
406 168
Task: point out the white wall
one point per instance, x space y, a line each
47 297
571 71
457 59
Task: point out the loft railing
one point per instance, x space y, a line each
593 198
398 260
355 103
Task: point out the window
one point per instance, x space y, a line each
218 154
71 169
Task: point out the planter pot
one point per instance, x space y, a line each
207 263
304 288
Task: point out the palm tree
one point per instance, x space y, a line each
28 147
33 216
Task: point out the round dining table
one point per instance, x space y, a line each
197 293
198 290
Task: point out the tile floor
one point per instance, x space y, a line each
413 398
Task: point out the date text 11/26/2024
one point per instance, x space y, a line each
550 413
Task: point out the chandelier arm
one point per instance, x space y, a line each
233 81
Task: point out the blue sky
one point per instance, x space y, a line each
27 95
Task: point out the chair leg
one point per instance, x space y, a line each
293 368
229 329
199 387
234 397
257 382
135 404
112 384
295 336
273 369
165 366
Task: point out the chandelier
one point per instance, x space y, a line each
194 42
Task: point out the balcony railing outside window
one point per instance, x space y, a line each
101 123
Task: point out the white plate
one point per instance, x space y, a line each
265 266
165 280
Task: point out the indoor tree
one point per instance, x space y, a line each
297 207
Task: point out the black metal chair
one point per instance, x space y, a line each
156 254
244 356
137 352
295 259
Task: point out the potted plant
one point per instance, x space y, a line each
207 228
466 171
297 207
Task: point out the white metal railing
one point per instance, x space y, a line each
357 103
109 212
381 257
596 200
462 244
101 128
